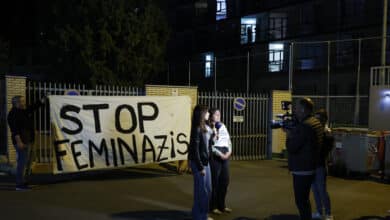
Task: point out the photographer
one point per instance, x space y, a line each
304 140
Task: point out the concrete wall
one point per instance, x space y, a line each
379 108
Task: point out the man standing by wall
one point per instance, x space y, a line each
304 141
20 121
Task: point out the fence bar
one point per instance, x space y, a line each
36 90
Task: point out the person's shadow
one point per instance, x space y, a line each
373 218
154 215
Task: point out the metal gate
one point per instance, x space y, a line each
43 149
247 127
342 110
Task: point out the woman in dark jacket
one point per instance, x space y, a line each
198 156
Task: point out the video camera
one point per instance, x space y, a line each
286 120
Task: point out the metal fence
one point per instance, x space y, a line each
335 73
342 110
310 67
43 150
248 128
380 76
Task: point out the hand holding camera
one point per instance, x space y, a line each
287 120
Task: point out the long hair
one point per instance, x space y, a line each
323 115
198 117
212 112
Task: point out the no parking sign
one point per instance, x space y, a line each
72 92
239 103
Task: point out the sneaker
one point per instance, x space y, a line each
329 217
227 210
316 215
23 188
216 212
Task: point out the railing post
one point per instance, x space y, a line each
357 99
328 82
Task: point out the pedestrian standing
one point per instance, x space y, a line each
320 192
20 121
303 143
221 152
199 156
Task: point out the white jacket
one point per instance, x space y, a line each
223 140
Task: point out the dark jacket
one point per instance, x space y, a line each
327 146
304 144
21 122
199 148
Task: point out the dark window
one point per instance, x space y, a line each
277 27
310 56
353 8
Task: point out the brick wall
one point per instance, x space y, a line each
14 85
3 117
156 90
278 136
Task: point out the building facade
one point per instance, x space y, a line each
245 45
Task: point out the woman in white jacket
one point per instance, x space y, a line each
221 152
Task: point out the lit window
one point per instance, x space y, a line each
248 30
221 10
275 57
208 67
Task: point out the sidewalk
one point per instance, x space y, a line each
258 190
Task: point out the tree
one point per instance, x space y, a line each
4 53
108 41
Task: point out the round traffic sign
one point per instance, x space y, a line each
71 92
239 103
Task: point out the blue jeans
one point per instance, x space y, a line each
321 195
23 162
202 190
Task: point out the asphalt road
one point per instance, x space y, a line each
258 190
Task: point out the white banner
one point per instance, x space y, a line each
99 132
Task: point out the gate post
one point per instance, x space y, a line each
278 137
14 86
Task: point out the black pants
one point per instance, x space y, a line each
220 182
302 184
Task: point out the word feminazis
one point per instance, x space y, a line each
117 145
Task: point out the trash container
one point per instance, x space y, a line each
355 151
387 155
336 161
